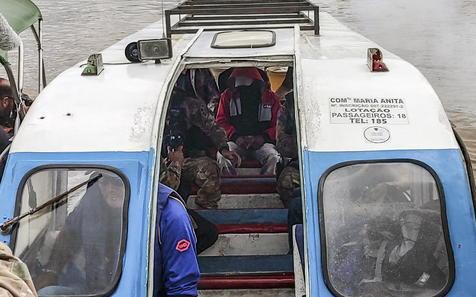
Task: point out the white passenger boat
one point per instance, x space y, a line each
367 121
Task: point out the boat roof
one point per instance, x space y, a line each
334 68
119 110
115 111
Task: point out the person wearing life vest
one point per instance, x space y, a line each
176 271
248 112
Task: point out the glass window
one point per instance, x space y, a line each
73 247
383 231
244 39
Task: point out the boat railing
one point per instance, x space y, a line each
228 14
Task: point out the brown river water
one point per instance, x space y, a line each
438 37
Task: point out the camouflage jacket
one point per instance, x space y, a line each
198 117
15 279
201 84
170 173
286 141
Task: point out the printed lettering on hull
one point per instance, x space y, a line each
368 111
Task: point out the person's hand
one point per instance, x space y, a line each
232 156
281 94
242 142
258 142
45 279
176 155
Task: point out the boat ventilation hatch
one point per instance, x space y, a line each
244 39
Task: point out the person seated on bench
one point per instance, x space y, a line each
7 106
224 79
288 176
189 123
200 83
170 174
248 112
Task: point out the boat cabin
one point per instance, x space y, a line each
385 190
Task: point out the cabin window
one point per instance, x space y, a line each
74 246
244 39
384 231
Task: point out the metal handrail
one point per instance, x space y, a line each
240 12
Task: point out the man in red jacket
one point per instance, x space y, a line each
248 112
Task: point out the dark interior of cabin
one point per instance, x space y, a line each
234 132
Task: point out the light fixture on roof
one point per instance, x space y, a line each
375 60
94 65
149 49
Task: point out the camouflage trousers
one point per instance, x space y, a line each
15 279
204 173
288 181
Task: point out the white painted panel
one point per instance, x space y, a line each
114 111
427 126
249 244
334 65
202 47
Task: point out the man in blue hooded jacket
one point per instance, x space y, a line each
176 271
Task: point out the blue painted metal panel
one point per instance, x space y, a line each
136 166
448 165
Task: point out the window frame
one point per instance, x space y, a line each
125 214
444 221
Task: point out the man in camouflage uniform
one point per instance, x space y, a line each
201 138
286 144
201 84
170 174
171 169
15 279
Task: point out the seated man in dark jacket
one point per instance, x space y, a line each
92 231
6 108
248 112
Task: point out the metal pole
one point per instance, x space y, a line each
316 21
20 67
168 28
41 63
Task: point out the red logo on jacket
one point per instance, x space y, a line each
182 245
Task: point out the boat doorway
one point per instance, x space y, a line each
212 111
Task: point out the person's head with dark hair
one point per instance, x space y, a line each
6 101
4 82
112 190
